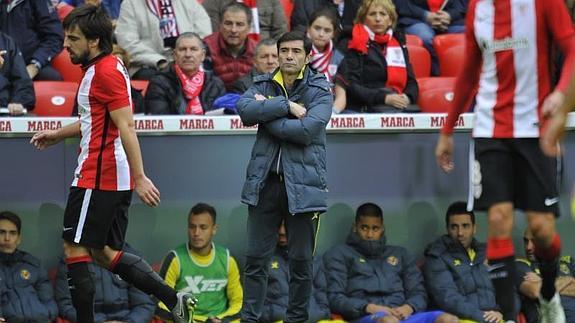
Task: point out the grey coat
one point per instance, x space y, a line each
302 141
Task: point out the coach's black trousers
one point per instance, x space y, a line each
264 221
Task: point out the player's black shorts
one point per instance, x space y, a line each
513 170
95 218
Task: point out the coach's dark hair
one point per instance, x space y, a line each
94 22
12 217
203 208
458 207
295 35
235 7
368 209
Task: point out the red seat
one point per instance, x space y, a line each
435 94
141 85
426 83
445 41
54 98
63 9
450 60
413 40
69 71
420 60
288 9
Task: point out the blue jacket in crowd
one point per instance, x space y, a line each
360 272
25 291
457 284
415 11
301 141
114 300
277 296
35 27
15 84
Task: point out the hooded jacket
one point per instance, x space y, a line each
25 291
302 141
456 283
361 272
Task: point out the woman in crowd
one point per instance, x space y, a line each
376 75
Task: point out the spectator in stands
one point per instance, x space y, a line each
36 29
529 282
376 75
346 10
271 16
369 280
25 290
455 271
16 88
205 269
111 6
184 88
322 29
147 30
231 51
426 18
276 303
114 299
265 61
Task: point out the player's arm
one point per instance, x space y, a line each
124 121
465 84
46 138
234 292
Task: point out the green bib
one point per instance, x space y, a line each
208 283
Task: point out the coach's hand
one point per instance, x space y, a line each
444 152
45 138
147 192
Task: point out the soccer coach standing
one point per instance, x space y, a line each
286 175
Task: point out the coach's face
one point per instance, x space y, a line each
80 48
201 231
292 57
9 237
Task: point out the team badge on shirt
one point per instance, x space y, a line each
275 265
392 260
457 262
25 274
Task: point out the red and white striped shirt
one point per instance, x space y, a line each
102 163
508 53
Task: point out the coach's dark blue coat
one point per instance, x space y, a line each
360 272
302 141
25 291
456 283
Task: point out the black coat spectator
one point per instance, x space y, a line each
15 84
36 29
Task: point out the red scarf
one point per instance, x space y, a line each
255 28
435 5
320 60
164 10
396 61
192 86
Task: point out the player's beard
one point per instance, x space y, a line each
82 59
